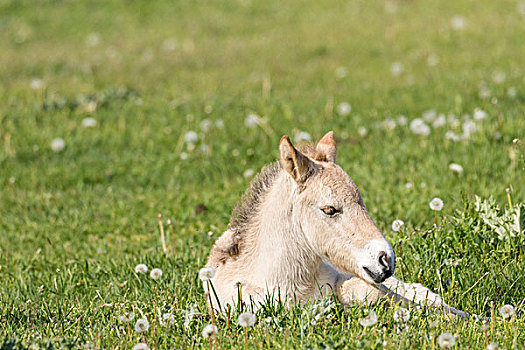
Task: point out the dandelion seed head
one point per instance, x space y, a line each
512 91
432 60
141 268
507 311
170 44
401 315
370 319
127 316
429 115
206 125
251 121
168 319
397 225
341 72
446 340
389 124
344 108
209 331
419 127
246 319
396 68
36 84
515 141
248 173
219 123
142 325
191 137
92 40
206 274
402 120
458 22
456 168
440 121
140 346
156 273
436 204
58 144
493 346
89 122
362 131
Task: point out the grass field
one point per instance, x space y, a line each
77 216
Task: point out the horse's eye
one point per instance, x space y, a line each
329 210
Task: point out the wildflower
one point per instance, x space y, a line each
506 311
456 168
419 127
362 131
515 141
401 315
142 325
439 121
206 125
248 173
246 319
156 274
344 108
429 115
409 185
89 122
389 124
370 319
169 44
458 22
92 40
402 120
446 340
469 127
436 204
168 319
397 225
432 60
341 72
396 68
219 123
209 331
58 144
451 135
191 137
493 346
36 84
206 274
127 316
184 156
498 77
252 120
302 136
141 268
479 114
140 346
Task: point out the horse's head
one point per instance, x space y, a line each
329 210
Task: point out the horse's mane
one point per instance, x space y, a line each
251 200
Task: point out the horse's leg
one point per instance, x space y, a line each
418 294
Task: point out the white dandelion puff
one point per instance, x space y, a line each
389 124
140 346
498 77
141 268
36 84
469 128
456 168
209 331
446 340
362 131
252 120
206 125
440 121
507 311
512 92
127 316
370 319
92 40
168 319
458 22
89 122
344 108
432 60
170 44
397 225
142 325
341 72
419 127
302 136
436 204
248 173
58 144
188 316
206 274
401 315
515 141
219 123
451 135
493 346
156 273
402 120
396 68
184 156
191 137
429 115
246 319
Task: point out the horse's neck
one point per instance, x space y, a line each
282 255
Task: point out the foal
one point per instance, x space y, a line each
302 231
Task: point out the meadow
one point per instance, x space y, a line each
113 112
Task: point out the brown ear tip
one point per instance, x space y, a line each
285 138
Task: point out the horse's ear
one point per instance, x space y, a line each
294 162
326 148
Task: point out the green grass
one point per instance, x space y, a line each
75 223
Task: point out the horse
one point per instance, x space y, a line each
301 232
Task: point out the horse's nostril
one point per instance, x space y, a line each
383 260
